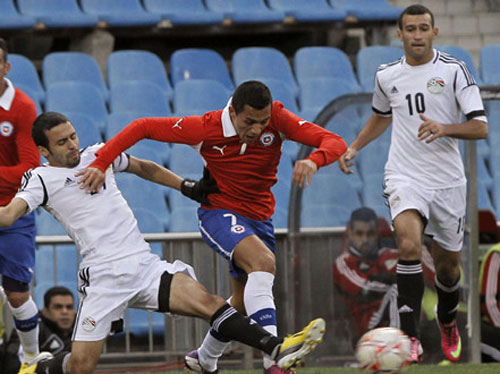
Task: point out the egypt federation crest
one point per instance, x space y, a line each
89 324
6 128
435 85
266 139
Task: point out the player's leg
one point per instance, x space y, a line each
409 229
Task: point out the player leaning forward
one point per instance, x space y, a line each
422 94
118 269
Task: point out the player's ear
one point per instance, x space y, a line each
43 151
435 31
400 34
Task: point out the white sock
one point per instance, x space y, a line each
259 304
26 323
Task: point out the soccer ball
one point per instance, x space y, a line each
383 350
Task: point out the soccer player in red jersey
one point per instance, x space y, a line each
18 153
241 147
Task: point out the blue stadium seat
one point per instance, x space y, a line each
483 174
280 218
316 93
198 96
46 224
57 13
141 97
144 151
255 63
184 219
308 10
483 197
488 62
368 10
87 130
323 62
120 13
32 95
281 190
461 53
333 172
148 222
131 65
345 123
73 66
324 215
328 189
291 149
183 12
245 11
41 288
77 97
177 200
11 19
372 192
138 321
185 160
22 71
370 58
197 63
372 158
280 91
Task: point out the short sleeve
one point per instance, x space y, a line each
32 190
380 102
121 162
468 95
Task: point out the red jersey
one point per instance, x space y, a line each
18 151
244 173
490 286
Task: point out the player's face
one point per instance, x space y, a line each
363 236
417 36
250 122
64 146
61 311
4 70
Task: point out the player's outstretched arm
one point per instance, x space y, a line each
153 172
12 212
375 126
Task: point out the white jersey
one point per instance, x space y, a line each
102 225
440 90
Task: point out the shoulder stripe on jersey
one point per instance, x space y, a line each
380 112
45 194
379 87
474 114
447 59
437 56
385 66
83 149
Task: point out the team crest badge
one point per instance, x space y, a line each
89 324
435 85
6 128
266 139
237 229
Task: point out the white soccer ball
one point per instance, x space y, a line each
383 350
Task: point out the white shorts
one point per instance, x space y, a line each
444 209
106 290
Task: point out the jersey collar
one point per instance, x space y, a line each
227 125
8 96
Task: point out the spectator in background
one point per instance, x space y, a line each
489 281
18 153
56 326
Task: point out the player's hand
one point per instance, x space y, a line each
303 172
345 160
430 130
91 179
200 190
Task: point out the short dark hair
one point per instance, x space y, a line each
253 93
56 291
415 10
45 122
3 47
364 214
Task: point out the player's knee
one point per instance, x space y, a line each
266 263
409 249
79 365
16 299
448 272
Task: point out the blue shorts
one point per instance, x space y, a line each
223 229
17 249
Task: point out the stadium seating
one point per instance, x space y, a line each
340 191
11 19
184 219
41 288
140 97
245 11
280 218
77 97
88 131
185 160
291 149
197 63
46 224
131 65
255 63
32 96
73 66
280 91
483 198
57 13
198 96
345 123
324 215
66 263
368 10
23 72
138 322
120 13
370 58
461 53
183 12
488 62
308 10
323 62
148 222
